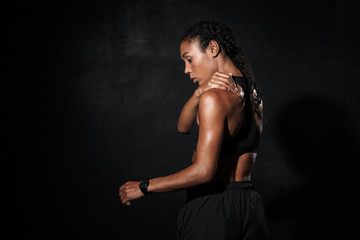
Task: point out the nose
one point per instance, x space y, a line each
187 69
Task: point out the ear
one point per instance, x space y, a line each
213 48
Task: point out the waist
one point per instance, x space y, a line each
214 188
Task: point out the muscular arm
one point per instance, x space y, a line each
211 116
211 127
222 81
188 114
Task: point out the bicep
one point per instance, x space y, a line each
211 128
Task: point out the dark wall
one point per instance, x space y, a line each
94 90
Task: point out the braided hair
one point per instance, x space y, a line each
205 31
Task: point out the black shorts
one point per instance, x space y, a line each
232 210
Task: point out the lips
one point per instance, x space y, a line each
194 80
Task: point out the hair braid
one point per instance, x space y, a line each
206 31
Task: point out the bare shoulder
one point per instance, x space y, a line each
212 100
212 95
224 99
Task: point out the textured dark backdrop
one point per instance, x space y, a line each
95 89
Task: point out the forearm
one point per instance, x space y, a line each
188 177
188 114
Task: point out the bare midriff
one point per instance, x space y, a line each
231 169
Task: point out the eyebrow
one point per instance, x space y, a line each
184 55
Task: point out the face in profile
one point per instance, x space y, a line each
198 64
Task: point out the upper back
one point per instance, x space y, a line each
242 127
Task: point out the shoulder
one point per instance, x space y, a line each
212 96
212 101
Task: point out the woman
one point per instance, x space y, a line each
221 202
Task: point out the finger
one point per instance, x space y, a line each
222 81
237 89
121 194
230 82
123 186
225 77
219 86
224 85
231 79
125 198
223 74
122 198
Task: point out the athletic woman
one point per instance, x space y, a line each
227 113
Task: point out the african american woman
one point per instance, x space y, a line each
227 112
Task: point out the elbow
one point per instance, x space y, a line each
182 129
206 176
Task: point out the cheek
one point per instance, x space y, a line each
208 67
203 64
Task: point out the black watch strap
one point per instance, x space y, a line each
144 186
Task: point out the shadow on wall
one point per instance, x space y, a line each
319 143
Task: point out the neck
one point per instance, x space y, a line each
227 66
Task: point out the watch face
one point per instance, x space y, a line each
143 187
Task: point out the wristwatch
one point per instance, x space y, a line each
143 187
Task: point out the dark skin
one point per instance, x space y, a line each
217 105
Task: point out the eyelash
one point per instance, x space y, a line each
189 60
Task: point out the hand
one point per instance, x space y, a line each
130 191
219 80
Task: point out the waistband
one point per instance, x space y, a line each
219 188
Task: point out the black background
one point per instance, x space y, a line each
94 90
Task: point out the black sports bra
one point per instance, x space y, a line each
247 140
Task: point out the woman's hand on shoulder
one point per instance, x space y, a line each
219 80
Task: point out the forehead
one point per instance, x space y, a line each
187 47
